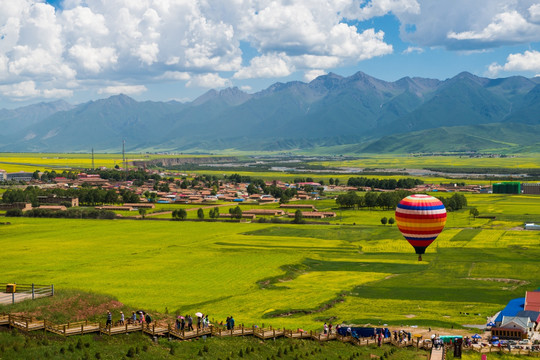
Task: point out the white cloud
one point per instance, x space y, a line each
123 89
528 61
175 75
534 12
246 88
266 66
313 74
20 90
506 26
57 93
88 43
93 59
27 89
346 42
413 49
209 80
470 25
367 10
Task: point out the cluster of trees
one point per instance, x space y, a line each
47 176
137 176
390 221
179 214
214 213
87 196
389 200
73 213
388 184
236 212
384 200
454 202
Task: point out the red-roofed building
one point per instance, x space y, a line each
532 301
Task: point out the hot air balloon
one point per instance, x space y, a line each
420 218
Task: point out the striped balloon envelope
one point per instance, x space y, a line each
420 218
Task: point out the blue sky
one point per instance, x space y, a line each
81 50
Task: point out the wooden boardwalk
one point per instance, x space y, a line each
28 324
76 328
437 354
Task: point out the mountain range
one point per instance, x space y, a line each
352 114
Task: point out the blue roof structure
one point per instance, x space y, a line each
512 308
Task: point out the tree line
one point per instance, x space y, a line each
387 184
87 196
390 199
73 213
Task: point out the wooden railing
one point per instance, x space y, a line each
34 290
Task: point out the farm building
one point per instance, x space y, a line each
514 328
298 206
532 301
532 226
141 205
53 207
18 205
507 187
530 188
272 212
315 214
53 199
20 176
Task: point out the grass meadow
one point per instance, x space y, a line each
289 275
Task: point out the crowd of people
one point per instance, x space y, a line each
182 323
139 317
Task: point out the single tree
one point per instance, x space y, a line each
182 214
474 212
384 220
200 214
391 221
298 217
142 212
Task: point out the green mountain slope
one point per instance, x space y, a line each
496 136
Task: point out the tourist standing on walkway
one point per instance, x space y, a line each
122 319
330 328
231 321
133 317
109 319
148 319
183 323
228 323
199 319
190 323
325 328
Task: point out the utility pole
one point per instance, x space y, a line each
124 160
92 158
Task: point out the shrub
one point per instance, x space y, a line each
14 213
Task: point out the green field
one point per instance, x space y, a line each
289 275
